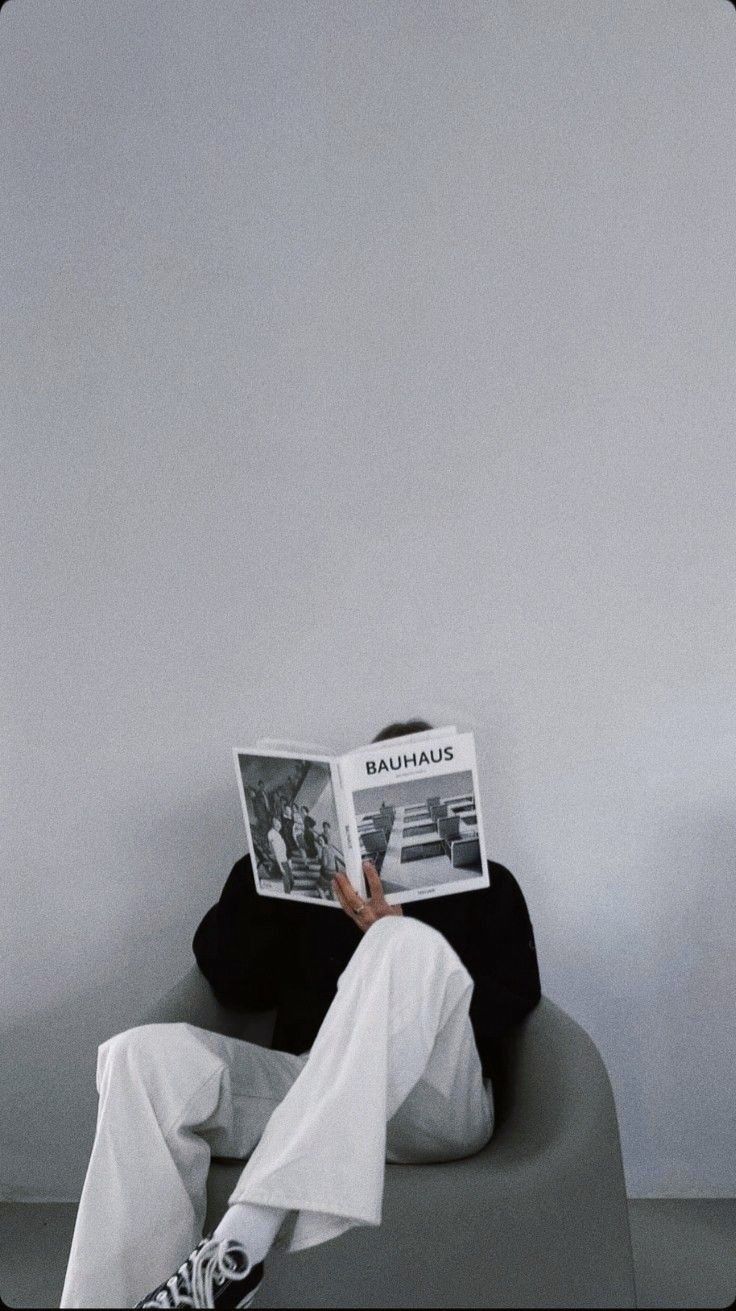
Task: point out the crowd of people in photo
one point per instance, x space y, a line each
289 842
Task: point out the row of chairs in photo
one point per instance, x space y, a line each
448 815
374 831
444 814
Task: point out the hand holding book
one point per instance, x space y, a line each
408 807
364 913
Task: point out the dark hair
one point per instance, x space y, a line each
402 730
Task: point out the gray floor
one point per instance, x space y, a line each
685 1252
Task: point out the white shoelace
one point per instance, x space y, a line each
205 1270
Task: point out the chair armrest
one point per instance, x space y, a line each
192 1001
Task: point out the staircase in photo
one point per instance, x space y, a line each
304 875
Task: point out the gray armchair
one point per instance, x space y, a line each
537 1219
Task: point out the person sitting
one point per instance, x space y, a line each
262 806
298 831
310 834
280 854
287 824
330 860
387 1020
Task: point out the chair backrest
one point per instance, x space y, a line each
448 826
192 1000
464 851
374 840
549 1077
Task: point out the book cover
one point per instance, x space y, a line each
409 805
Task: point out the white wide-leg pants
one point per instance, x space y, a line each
393 1074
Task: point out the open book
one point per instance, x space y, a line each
410 805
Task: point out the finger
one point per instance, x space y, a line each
341 896
348 900
344 884
374 883
349 893
370 874
347 887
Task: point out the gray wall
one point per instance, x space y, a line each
357 358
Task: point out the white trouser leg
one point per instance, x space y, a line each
170 1095
394 1071
398 1029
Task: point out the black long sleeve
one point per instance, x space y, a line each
240 946
508 986
492 934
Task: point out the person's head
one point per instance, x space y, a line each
276 822
326 828
402 730
260 783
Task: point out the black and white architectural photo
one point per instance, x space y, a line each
291 818
420 832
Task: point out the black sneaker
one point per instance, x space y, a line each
217 1274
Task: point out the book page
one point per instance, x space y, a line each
416 814
286 746
292 821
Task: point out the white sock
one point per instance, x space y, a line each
254 1226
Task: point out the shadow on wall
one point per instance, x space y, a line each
653 993
49 1094
48 1057
687 1097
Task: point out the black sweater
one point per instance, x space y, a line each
260 953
